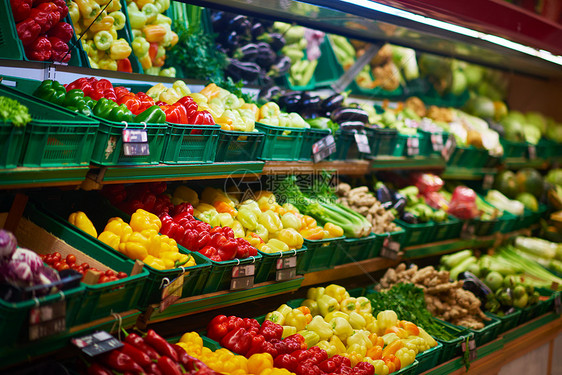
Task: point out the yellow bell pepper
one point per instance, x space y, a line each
336 291
289 331
315 293
297 319
136 246
334 314
114 6
259 362
341 328
364 305
120 49
88 8
291 237
327 304
110 239
154 33
333 229
81 221
146 62
380 367
142 3
335 340
141 220
275 246
406 356
269 110
252 108
102 23
348 305
107 64
354 357
330 349
155 91
186 194
386 319
119 227
74 13
357 321
321 327
169 96
155 263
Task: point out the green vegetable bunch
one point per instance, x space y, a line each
12 111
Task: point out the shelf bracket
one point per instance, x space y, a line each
49 72
354 70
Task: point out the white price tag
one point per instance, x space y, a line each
449 147
172 292
532 151
135 142
390 249
472 355
289 262
437 142
468 230
412 146
362 143
240 283
285 274
246 270
135 135
47 320
323 148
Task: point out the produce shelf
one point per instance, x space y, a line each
17 353
425 163
22 177
348 167
518 163
459 173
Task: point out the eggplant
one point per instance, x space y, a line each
229 42
266 56
281 67
475 285
343 114
384 195
409 218
290 102
256 30
240 25
310 106
275 40
247 71
357 125
265 79
399 206
247 52
268 93
220 20
333 102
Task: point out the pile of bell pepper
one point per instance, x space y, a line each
39 27
149 196
100 41
152 35
289 351
271 114
331 319
140 239
150 354
226 362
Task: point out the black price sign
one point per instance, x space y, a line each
47 320
286 268
412 146
437 142
362 143
471 348
323 148
449 147
135 142
468 230
172 292
97 343
390 249
242 277
532 151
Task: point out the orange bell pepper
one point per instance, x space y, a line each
308 222
154 33
223 207
392 348
409 327
400 332
315 233
375 352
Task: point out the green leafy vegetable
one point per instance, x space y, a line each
12 111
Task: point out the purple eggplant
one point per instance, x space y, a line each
247 52
281 67
238 70
266 56
275 40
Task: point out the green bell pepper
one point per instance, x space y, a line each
103 108
90 102
51 91
83 108
73 97
153 114
120 113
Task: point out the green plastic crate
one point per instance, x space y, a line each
429 358
508 321
268 265
505 223
11 144
346 146
417 234
319 255
513 149
452 348
328 70
411 369
190 144
310 137
383 141
481 227
55 136
545 149
399 235
99 300
400 145
468 157
238 146
280 143
211 344
220 274
543 306
404 146
108 147
352 250
488 333
426 144
447 230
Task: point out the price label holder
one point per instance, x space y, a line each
390 249
471 348
532 152
135 142
96 343
488 181
323 148
362 142
47 320
243 276
171 291
286 268
412 146
437 142
449 147
468 230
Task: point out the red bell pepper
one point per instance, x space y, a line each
168 366
160 345
46 15
146 101
201 118
217 327
308 369
171 229
235 322
39 49
136 354
121 91
119 361
176 113
256 346
365 367
271 330
28 31
239 341
62 7
21 9
138 342
63 31
286 361
252 326
110 94
157 187
131 101
153 369
102 84
59 50
211 253
189 104
182 207
124 65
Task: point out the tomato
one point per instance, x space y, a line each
109 273
121 275
102 279
56 265
57 256
63 266
70 259
85 265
